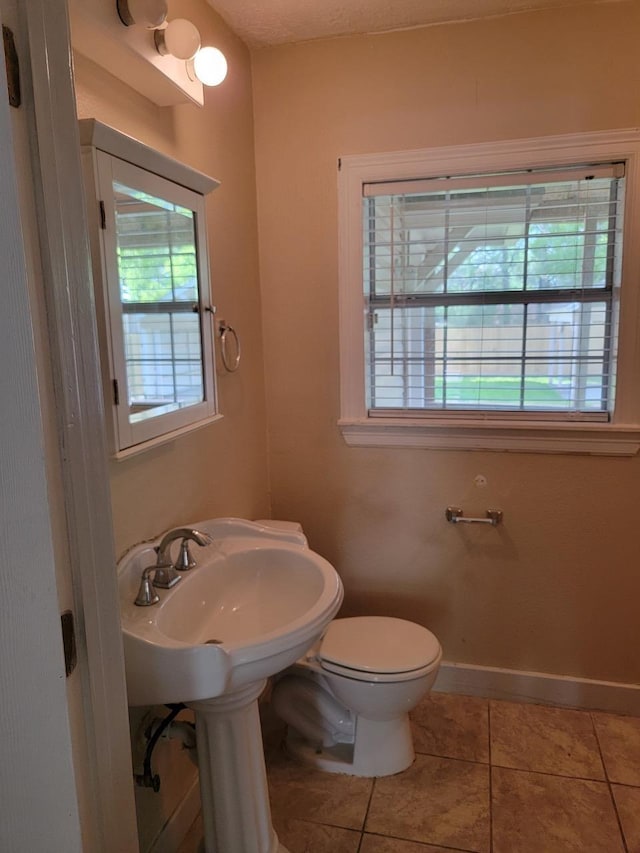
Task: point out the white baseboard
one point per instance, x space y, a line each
539 687
175 829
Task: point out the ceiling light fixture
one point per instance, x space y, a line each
144 13
210 66
180 38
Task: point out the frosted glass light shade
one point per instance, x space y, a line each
180 38
144 13
210 66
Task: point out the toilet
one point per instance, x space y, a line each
347 701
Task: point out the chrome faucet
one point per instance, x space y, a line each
165 573
185 561
147 594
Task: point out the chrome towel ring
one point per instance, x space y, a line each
224 329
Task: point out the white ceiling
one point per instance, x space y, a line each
268 22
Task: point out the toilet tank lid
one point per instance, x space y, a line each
277 524
379 644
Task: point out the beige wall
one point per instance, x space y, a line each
556 589
221 469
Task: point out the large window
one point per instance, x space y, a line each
493 292
487 297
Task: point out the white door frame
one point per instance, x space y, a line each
37 784
65 258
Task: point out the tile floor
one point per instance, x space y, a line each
489 777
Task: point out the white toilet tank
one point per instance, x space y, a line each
284 526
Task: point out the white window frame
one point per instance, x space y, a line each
487 430
109 155
131 433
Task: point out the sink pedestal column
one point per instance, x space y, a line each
233 779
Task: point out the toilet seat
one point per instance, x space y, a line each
378 648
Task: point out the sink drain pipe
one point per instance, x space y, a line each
183 730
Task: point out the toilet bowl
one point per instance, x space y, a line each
347 701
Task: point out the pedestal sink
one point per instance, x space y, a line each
256 601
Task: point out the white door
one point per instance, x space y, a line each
37 785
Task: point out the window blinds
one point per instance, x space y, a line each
493 292
157 267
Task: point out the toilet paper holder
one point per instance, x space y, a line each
455 515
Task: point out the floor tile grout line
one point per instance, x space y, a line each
425 844
600 752
366 814
606 774
490 764
601 780
549 773
366 811
316 822
452 758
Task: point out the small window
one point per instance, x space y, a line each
481 291
151 272
158 279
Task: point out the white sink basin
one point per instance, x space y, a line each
257 600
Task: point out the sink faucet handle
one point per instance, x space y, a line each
147 594
185 559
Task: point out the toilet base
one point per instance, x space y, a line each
380 748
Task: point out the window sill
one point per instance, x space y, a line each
523 437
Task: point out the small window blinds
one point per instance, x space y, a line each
157 267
